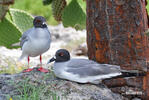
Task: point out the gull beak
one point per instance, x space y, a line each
51 60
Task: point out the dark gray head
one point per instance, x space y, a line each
61 55
39 22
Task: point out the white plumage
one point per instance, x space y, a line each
38 42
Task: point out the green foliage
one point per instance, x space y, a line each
74 16
147 6
29 91
23 20
9 33
11 30
57 9
35 7
82 4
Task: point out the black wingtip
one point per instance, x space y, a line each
131 74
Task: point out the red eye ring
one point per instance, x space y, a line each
38 21
61 54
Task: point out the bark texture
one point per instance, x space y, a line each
115 35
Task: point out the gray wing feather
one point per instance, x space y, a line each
91 68
24 37
77 63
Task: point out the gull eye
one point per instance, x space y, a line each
61 54
38 21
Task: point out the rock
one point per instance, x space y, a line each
45 86
3 97
136 99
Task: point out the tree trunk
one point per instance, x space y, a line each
115 35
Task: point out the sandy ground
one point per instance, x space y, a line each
60 38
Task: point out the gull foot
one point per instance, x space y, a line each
28 70
43 70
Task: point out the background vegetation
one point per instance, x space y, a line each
147 6
36 7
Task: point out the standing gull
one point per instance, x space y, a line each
82 70
35 41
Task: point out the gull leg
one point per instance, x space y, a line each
41 69
41 60
29 69
28 61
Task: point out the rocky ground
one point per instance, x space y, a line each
36 85
67 38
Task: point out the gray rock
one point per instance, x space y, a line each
136 99
3 97
47 86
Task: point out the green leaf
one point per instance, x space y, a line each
74 16
12 29
9 33
22 19
82 4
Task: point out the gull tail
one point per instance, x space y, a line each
21 57
15 44
131 73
